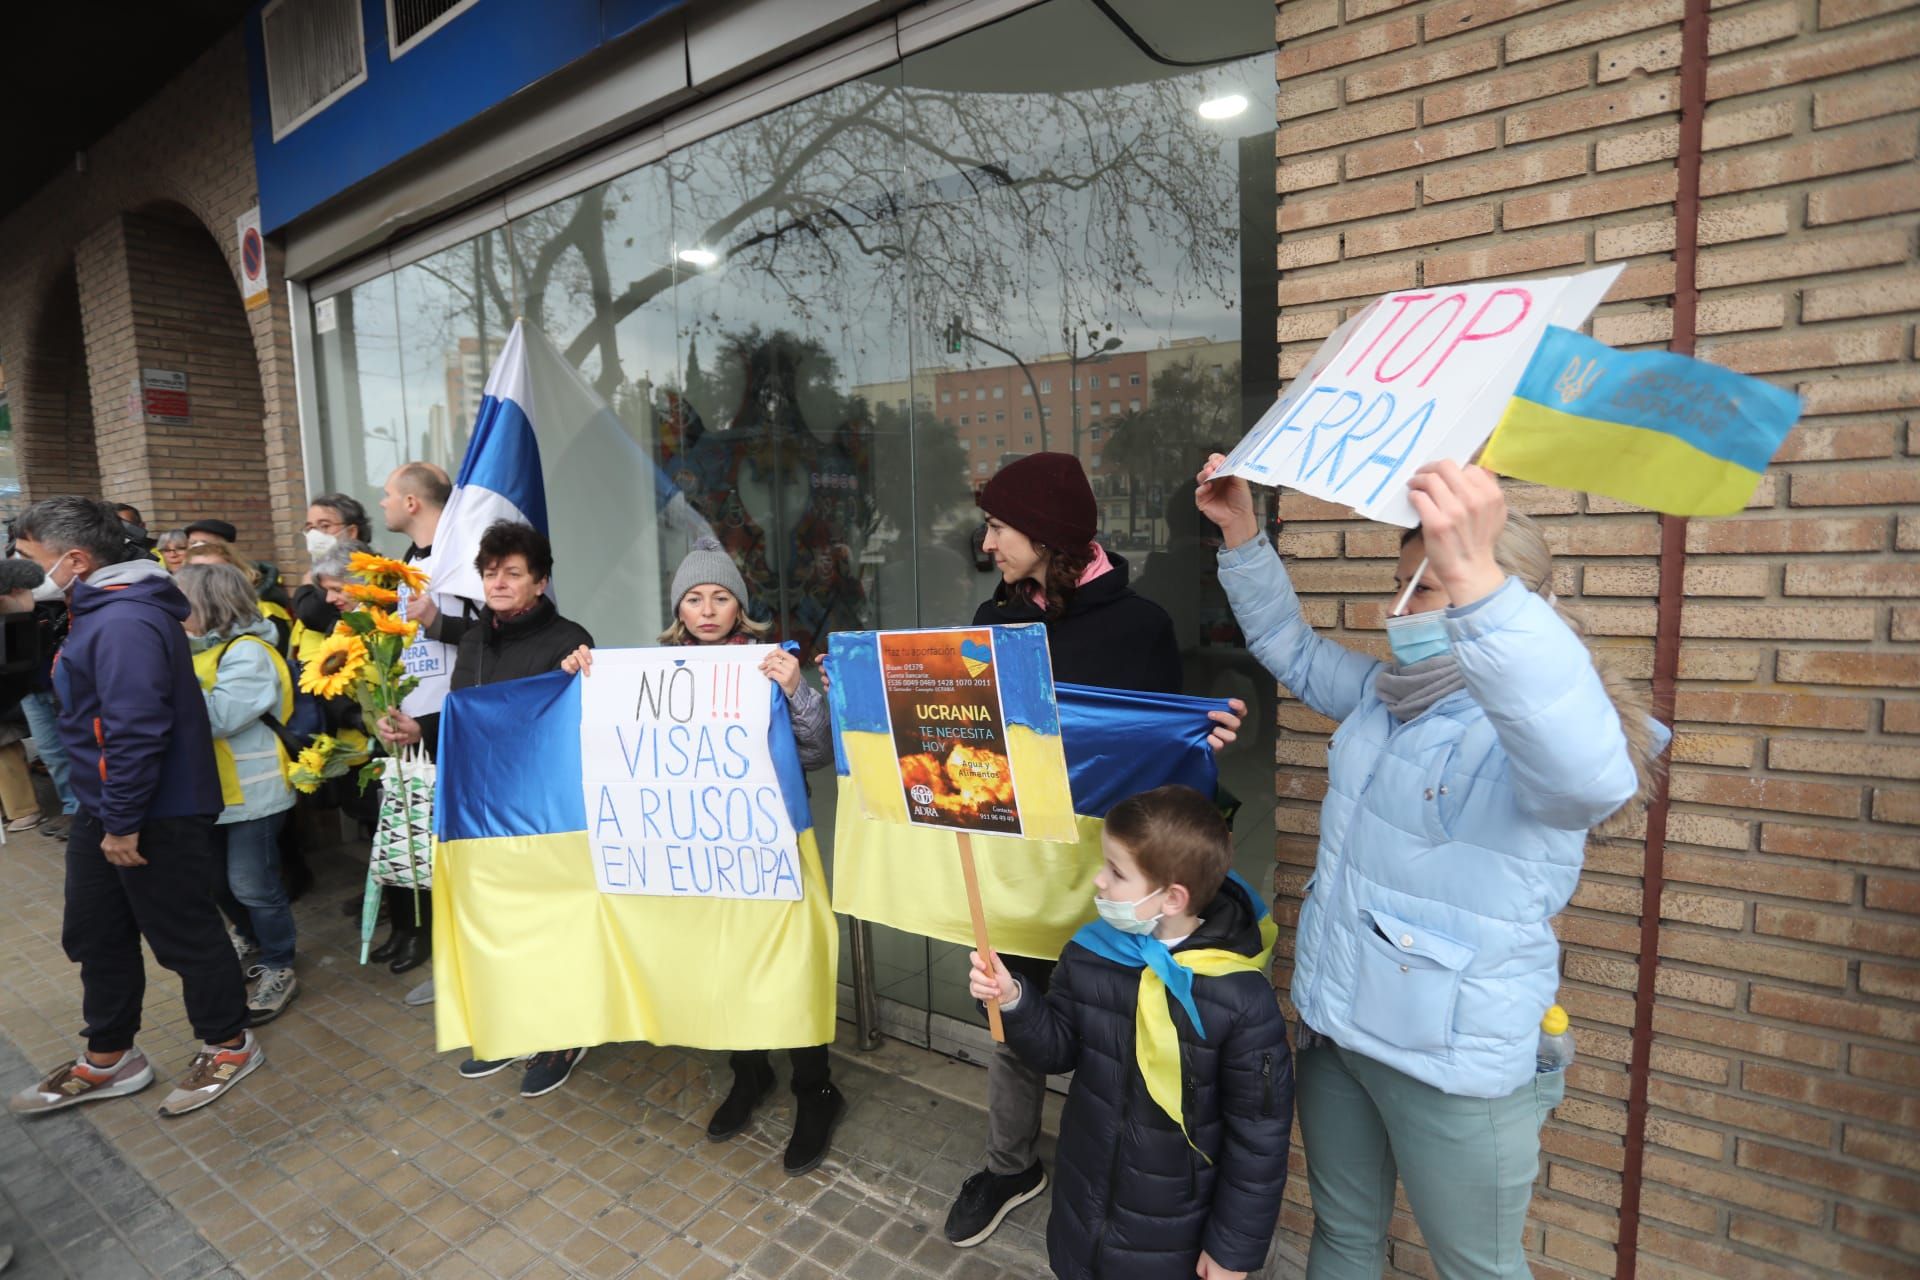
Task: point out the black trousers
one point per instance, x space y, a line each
810 1067
168 902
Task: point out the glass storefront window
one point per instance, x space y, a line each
789 318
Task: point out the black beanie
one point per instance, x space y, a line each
1045 496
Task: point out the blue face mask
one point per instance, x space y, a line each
1120 914
1416 637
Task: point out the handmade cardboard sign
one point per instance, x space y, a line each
682 796
1415 376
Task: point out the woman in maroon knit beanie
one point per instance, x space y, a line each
1041 521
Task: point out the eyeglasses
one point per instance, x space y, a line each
325 526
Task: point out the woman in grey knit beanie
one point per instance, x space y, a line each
710 607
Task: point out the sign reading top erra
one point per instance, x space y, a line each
682 797
1413 377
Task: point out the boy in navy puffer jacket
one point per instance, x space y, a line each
1173 1145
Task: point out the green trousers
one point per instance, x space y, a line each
1468 1165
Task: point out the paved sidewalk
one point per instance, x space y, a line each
357 1151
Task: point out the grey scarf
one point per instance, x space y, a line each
1408 691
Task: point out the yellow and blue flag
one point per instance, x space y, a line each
1037 893
1663 431
529 954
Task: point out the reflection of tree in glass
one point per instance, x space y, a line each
779 454
1045 202
1194 410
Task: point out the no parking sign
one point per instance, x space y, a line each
253 259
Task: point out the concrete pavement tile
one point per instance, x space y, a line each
501 1252
836 1249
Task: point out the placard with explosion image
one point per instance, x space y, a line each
943 702
954 729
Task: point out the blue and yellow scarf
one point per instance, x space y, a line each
1156 1041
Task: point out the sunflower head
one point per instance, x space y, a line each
369 593
335 665
387 571
393 626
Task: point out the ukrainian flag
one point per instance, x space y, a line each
1663 431
1037 893
530 955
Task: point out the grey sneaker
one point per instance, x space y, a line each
422 994
215 1070
242 948
79 1081
273 992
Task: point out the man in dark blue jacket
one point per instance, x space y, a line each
140 853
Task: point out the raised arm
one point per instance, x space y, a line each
1566 751
1326 676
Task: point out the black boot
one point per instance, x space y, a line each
388 949
815 1113
415 949
752 1082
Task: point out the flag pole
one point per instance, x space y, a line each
979 913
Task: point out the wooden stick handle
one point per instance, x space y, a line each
980 942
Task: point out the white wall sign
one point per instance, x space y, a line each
253 258
681 795
163 397
1415 376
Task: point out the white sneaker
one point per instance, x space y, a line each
273 992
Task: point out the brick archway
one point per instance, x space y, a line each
52 406
158 298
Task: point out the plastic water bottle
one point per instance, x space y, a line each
1556 1042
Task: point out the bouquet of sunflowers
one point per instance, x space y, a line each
362 659
324 758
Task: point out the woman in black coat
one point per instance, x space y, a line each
519 633
1041 521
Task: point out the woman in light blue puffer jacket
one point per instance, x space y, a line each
1461 784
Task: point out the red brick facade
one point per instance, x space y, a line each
133 264
1433 142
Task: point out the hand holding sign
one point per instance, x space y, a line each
1462 511
1227 501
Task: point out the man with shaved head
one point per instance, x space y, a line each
412 502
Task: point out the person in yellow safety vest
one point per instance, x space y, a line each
244 679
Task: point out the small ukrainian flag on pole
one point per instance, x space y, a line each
1659 430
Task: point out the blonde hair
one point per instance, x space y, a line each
1522 551
226 554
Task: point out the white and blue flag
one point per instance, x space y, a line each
543 429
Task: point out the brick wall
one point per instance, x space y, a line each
1445 140
182 161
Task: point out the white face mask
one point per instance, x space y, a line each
1121 914
49 590
319 542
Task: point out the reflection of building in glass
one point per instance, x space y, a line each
998 412
467 369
